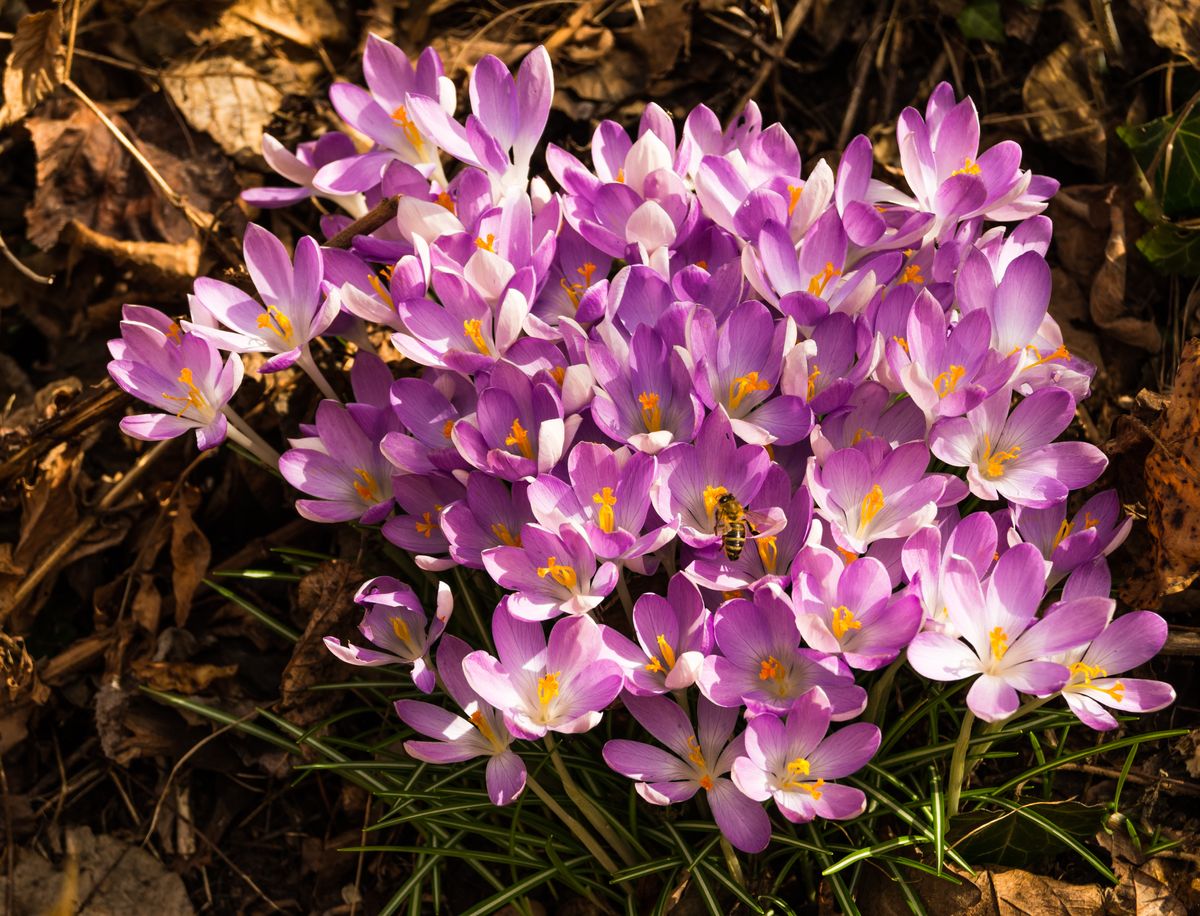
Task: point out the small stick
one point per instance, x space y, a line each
25 272
795 19
383 212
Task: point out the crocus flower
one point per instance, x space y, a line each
673 636
762 666
1010 650
1097 529
696 758
395 623
1127 642
559 685
417 526
1013 455
854 614
293 312
342 468
550 573
794 761
456 739
301 167
178 373
429 416
927 552
490 516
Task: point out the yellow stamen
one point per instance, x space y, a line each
563 575
999 640
735 593
488 244
380 290
275 320
993 464
400 116
947 382
871 505
366 487
848 555
1059 353
702 264
812 788
473 328
711 495
912 274
969 167
520 438
744 385
903 344
768 552
770 669
798 767
426 525
706 783
174 332
1064 532
445 200
479 720
558 373
812 381
695 755
605 518
400 628
547 688
651 412
504 536
447 428
860 434
843 621
793 197
620 176
817 284
1088 671
193 397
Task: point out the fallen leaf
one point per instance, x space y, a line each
108 876
308 23
147 604
1056 94
227 99
34 67
190 554
158 263
1173 25
1108 304
179 677
1012 892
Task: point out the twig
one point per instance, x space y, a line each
795 19
71 36
383 212
860 82
26 272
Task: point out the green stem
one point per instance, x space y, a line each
588 807
667 556
958 761
589 842
464 589
879 691
240 432
991 727
309 365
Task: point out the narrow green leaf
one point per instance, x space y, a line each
860 854
520 888
1029 813
254 611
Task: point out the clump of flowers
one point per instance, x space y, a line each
801 424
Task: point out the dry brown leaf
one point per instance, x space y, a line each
1057 96
146 608
1108 304
190 554
34 67
181 677
1173 25
225 98
159 263
115 878
305 22
1173 486
326 595
996 892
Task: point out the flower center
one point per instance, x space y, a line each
651 412
843 621
1064 532
174 332
999 640
903 344
380 290
447 428
912 274
400 116
366 487
192 396
426 525
1059 353
575 290
563 575
488 244
520 439
274 320
794 193
605 518
711 496
1087 672
812 382
479 720
620 179
969 167
744 385
871 505
504 536
473 328
994 462
817 284
770 669
768 552
547 688
445 201
558 373
947 382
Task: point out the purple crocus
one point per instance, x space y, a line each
926 553
417 526
301 167
695 758
456 739
395 623
176 372
342 467
491 515
293 312
762 666
1010 650
1127 642
550 573
560 685
673 637
1097 529
855 614
1013 455
607 500
795 762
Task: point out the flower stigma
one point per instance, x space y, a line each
473 328
947 382
605 517
366 487
504 536
192 399
651 412
744 385
274 320
871 505
843 621
563 575
520 438
994 461
816 286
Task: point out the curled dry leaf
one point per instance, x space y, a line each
34 67
1108 304
179 677
159 263
1063 113
1173 25
190 554
225 98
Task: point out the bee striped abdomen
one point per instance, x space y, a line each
734 540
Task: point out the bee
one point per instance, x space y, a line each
732 522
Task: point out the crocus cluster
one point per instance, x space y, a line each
800 423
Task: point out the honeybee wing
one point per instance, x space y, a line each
757 521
